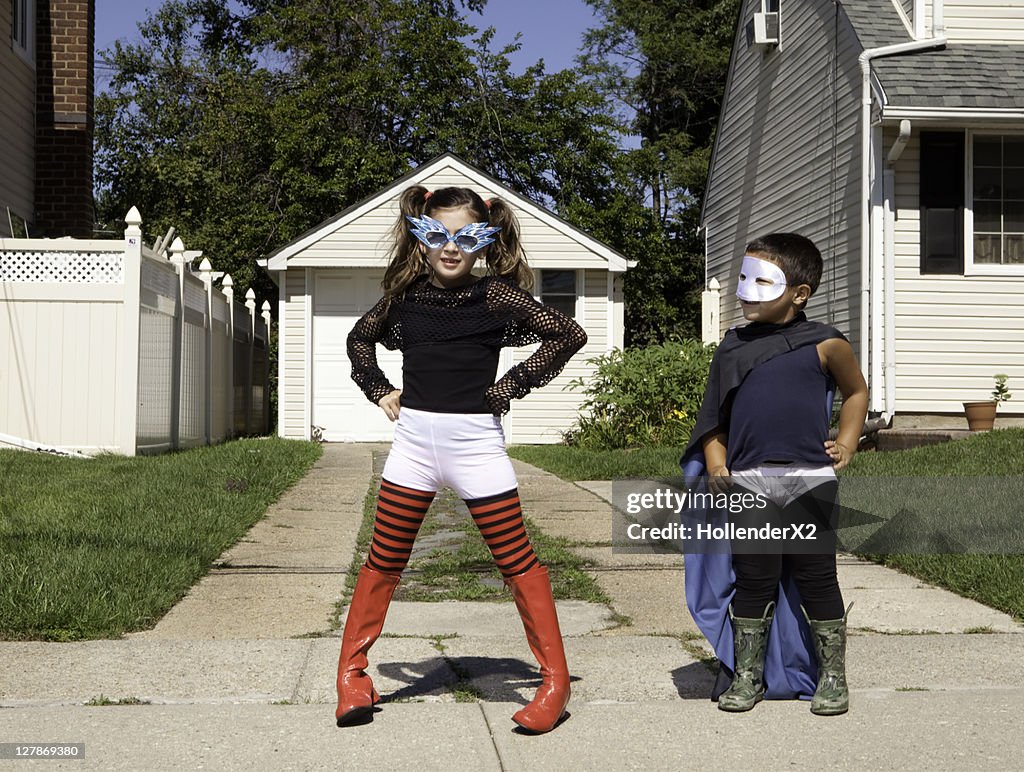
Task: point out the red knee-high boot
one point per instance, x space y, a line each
532 594
366 612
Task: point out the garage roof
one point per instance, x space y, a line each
290 255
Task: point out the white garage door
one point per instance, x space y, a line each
339 407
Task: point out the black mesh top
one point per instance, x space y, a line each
450 340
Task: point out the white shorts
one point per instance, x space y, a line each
464 451
782 485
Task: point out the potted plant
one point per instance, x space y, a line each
982 415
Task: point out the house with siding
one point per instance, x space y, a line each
46 117
891 132
331 276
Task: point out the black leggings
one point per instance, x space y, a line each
758 574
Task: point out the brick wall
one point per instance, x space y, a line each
65 39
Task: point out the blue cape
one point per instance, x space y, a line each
791 665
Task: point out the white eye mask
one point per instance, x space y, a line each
754 291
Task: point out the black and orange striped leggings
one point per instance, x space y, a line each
400 512
466 452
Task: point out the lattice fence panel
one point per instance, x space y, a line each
42 267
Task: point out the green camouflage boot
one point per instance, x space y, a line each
750 641
832 697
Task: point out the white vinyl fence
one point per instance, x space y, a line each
107 346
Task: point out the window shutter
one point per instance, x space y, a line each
942 202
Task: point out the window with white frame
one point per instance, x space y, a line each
23 26
763 28
558 290
997 199
972 202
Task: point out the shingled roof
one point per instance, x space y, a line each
961 76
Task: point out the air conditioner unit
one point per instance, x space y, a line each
766 29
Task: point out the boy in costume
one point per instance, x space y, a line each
775 619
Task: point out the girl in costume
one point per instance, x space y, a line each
450 326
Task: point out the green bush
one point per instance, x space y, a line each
642 397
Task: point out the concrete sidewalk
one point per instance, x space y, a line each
241 673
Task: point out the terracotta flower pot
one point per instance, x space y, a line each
980 415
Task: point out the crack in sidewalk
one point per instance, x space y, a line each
494 742
268 569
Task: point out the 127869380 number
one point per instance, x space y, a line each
42 751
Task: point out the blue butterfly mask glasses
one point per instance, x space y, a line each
434 235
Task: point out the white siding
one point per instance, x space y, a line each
292 386
543 416
953 333
17 128
981 21
787 156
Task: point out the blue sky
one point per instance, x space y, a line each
547 34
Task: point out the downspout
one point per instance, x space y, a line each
938 19
889 272
876 232
865 59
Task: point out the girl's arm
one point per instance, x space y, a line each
362 353
841 363
560 338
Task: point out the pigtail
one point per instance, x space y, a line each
405 260
506 256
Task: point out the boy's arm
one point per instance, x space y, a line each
841 362
714 460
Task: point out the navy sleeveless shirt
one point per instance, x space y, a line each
779 413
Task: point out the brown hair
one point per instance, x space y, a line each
797 255
505 257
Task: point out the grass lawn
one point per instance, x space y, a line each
578 464
996 580
94 548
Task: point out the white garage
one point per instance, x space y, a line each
330 276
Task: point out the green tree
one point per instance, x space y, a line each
184 131
245 128
663 63
243 125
